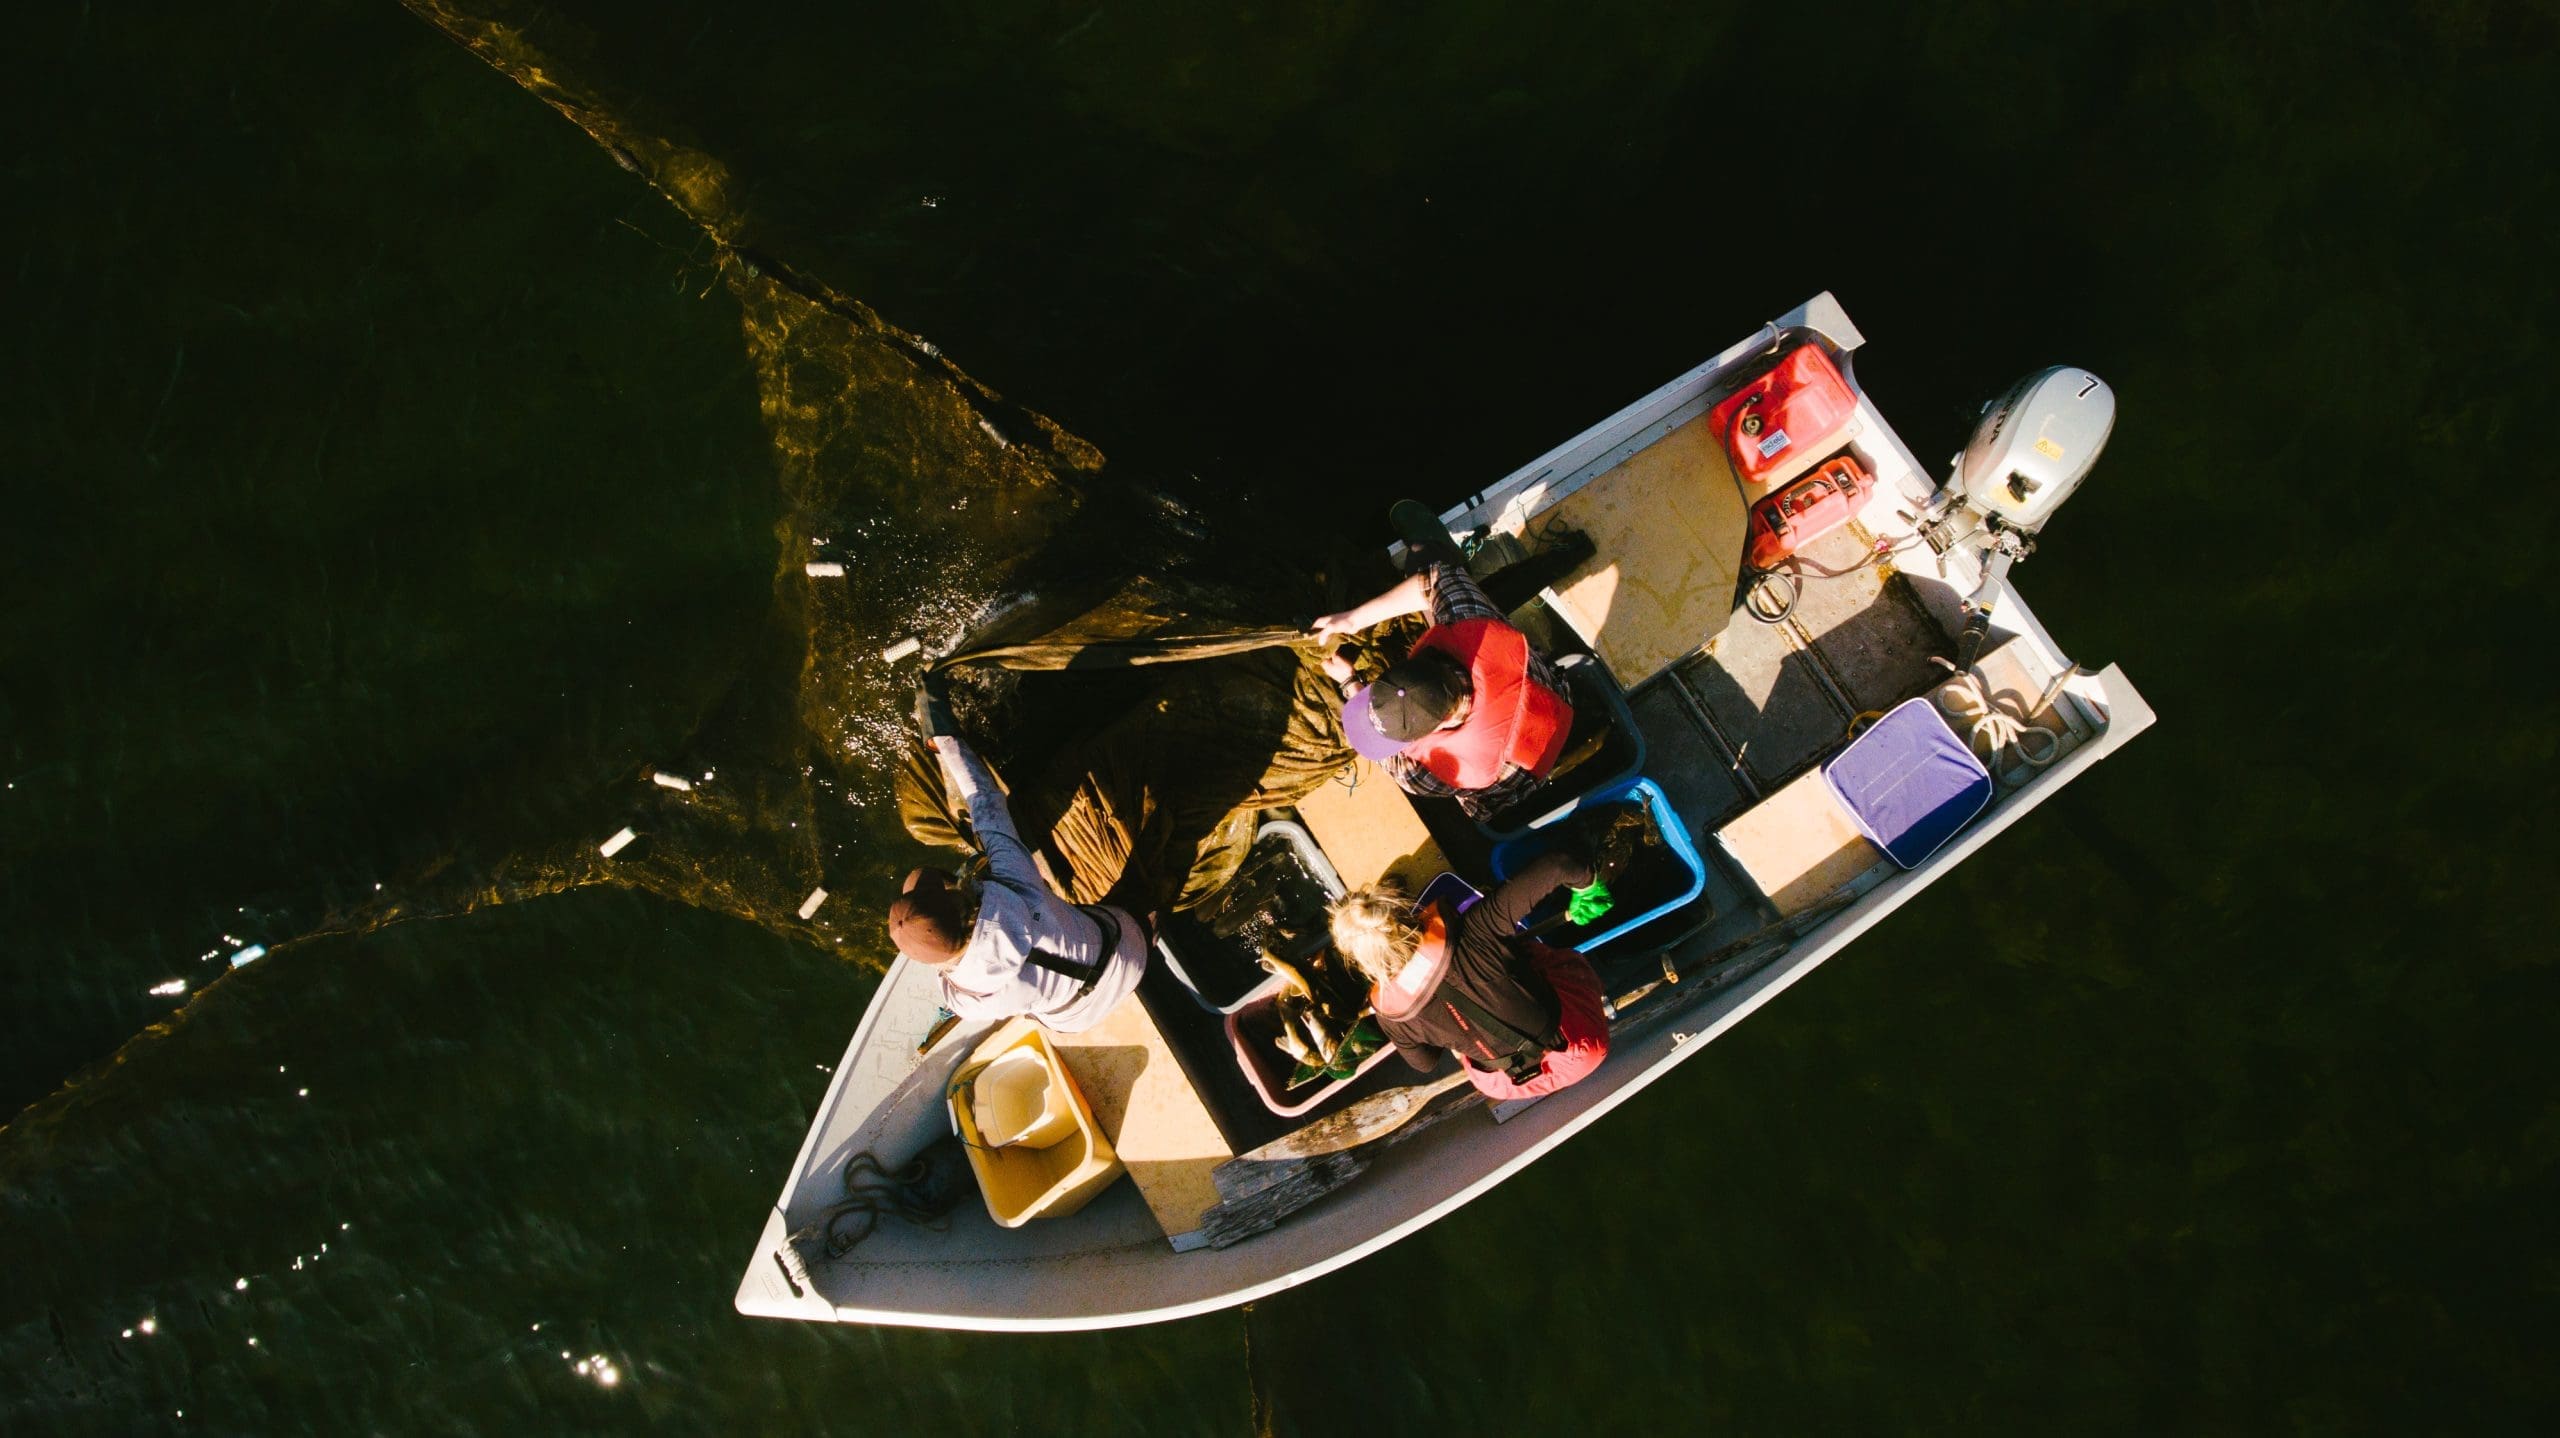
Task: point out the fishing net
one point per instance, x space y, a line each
916 511
1154 806
913 499
1142 723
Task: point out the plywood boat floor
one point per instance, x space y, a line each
1371 833
1668 523
1782 696
1798 846
1145 1105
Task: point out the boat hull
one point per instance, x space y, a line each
1112 1265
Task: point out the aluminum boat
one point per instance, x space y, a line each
1747 691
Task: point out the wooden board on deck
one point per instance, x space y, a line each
1145 1106
1370 832
1668 525
1798 845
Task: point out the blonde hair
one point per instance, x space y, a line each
1374 931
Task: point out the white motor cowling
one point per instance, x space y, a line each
2031 450
2034 446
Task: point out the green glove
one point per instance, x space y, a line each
1589 904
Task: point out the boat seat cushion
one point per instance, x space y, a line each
1909 782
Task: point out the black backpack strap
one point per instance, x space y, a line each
1528 1052
1085 975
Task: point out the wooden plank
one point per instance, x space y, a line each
1145 1106
1371 833
1668 524
1255 1197
1798 845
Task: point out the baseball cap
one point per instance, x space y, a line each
1414 697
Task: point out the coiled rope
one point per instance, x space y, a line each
922 1193
2000 722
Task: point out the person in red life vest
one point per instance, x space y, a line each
1524 1017
1474 714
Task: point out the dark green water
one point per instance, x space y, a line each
393 476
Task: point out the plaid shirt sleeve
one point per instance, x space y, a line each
1413 778
1455 595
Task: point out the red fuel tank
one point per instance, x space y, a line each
1804 511
1776 426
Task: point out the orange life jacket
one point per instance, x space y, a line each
1515 719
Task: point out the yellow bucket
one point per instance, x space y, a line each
1023 1099
1021 1181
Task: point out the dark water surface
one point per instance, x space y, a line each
407 450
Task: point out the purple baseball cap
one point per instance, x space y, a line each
1410 700
1361 728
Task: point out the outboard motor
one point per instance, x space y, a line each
2031 450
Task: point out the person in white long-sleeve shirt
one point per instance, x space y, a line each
1007 944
